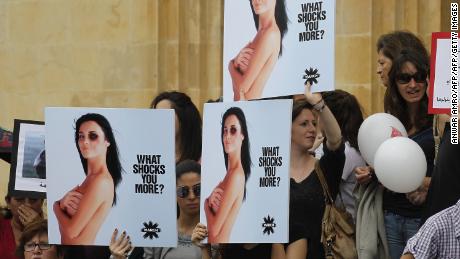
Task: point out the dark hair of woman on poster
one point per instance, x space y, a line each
82 210
252 67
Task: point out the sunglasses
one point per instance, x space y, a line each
184 191
233 130
31 247
404 78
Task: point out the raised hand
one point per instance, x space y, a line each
312 98
120 247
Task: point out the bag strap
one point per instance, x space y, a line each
323 182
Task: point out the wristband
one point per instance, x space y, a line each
319 106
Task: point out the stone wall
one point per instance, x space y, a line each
121 53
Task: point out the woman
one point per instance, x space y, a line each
235 144
82 211
251 68
407 100
24 211
390 45
347 111
188 123
307 201
34 243
188 188
188 174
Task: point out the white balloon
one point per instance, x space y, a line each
375 130
400 164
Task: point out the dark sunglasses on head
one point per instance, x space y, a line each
184 191
31 247
404 78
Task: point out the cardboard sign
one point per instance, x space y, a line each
107 169
273 48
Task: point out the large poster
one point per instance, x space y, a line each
28 163
439 97
107 169
272 48
245 171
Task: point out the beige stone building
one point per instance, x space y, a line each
121 53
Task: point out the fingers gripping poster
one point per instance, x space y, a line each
245 171
110 169
273 47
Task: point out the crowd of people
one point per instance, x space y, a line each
424 223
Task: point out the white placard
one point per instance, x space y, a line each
146 196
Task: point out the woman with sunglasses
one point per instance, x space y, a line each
409 103
188 175
407 100
221 212
34 244
82 210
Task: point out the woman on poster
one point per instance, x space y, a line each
82 210
251 68
232 189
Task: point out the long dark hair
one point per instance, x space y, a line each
112 158
189 123
395 104
348 113
245 148
280 17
